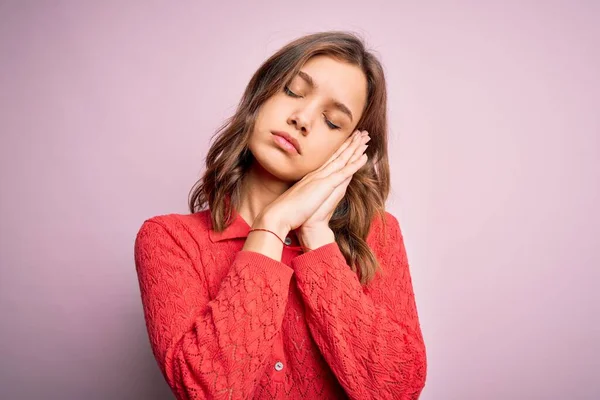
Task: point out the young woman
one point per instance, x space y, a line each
294 282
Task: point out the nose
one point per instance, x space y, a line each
300 122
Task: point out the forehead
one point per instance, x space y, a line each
339 80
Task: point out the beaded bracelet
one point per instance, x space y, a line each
289 247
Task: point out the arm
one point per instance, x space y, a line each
208 349
370 337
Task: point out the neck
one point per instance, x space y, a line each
260 188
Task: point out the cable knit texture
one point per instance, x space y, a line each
225 323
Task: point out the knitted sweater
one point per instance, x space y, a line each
226 323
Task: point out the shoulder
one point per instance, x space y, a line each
386 227
187 231
385 236
197 222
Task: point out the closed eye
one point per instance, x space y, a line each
289 92
330 124
294 95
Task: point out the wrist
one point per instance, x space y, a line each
265 242
272 223
315 238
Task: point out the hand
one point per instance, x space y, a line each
309 194
320 218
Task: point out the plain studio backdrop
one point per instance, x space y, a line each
106 112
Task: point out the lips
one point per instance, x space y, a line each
288 138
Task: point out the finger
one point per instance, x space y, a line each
343 158
345 145
334 182
359 152
342 186
338 177
340 149
336 196
355 149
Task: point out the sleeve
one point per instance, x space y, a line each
208 349
370 337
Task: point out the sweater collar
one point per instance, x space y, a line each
239 228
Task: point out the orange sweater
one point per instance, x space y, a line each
231 324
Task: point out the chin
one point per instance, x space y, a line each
278 165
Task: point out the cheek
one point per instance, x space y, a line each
320 153
274 108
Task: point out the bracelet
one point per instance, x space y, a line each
290 247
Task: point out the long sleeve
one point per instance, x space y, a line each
370 336
208 348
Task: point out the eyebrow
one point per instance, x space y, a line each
337 104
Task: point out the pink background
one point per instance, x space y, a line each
106 112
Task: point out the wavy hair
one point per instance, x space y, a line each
229 158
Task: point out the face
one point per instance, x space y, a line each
319 107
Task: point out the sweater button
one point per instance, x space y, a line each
278 366
288 240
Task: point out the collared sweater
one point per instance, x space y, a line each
227 323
